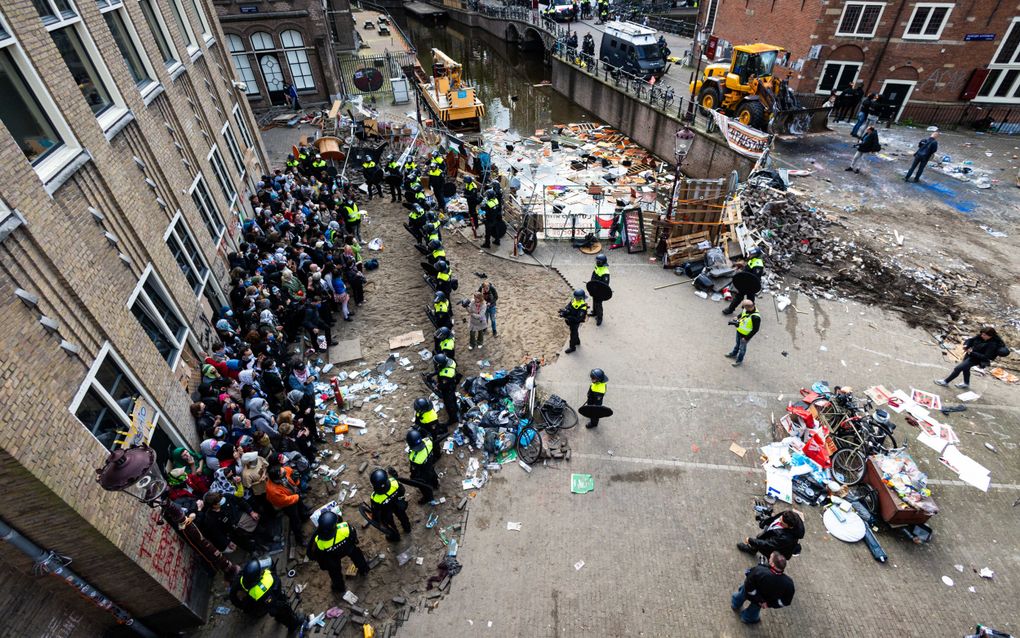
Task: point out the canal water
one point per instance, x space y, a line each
505 76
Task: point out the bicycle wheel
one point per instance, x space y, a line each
847 466
569 418
529 444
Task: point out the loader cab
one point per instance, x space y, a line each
749 62
633 48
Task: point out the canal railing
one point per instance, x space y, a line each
668 99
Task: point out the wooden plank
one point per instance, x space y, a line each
333 110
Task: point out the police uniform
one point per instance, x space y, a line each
428 421
446 380
415 221
390 503
446 346
262 597
574 314
422 470
444 282
601 273
437 181
393 179
442 313
755 266
328 552
596 393
372 177
493 218
472 196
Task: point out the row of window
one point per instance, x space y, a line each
31 115
860 19
265 54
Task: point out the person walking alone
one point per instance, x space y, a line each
477 323
764 586
925 149
979 351
868 144
865 113
747 325
491 296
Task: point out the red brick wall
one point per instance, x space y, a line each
941 67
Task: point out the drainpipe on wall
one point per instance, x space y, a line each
885 45
48 562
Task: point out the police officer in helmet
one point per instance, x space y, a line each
388 502
425 417
596 393
333 540
257 592
574 314
422 459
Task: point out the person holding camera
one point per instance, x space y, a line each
780 533
747 325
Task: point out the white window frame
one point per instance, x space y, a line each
207 33
242 124
818 87
190 41
297 57
108 6
140 295
118 109
931 6
863 6
177 228
1003 69
219 167
251 87
48 167
211 218
90 383
234 149
164 32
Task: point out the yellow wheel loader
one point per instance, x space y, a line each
746 89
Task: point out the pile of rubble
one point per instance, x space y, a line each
824 258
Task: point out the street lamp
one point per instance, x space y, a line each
681 146
135 472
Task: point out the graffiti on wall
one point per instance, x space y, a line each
168 557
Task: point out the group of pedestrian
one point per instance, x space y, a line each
297 272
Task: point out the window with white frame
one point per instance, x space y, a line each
185 251
837 75
106 399
242 64
1003 81
126 39
222 176
262 41
160 33
927 21
860 19
207 34
235 151
161 321
29 113
207 208
181 18
82 58
297 60
242 126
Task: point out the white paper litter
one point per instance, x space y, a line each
513 527
986 573
578 565
947 580
968 396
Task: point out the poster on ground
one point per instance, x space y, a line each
745 140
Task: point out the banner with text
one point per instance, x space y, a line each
745 140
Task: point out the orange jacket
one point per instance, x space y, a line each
281 496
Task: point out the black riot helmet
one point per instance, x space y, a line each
380 479
327 523
421 404
251 574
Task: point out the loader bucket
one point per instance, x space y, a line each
800 121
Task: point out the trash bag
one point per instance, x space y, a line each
715 258
371 264
704 282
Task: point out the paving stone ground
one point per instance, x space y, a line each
657 535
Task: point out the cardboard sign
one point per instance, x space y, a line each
142 424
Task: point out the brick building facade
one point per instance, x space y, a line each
273 43
128 155
916 54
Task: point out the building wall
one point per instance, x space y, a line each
320 43
940 67
78 244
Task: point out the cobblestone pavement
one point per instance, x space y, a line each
657 535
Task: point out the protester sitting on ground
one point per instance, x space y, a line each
979 350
